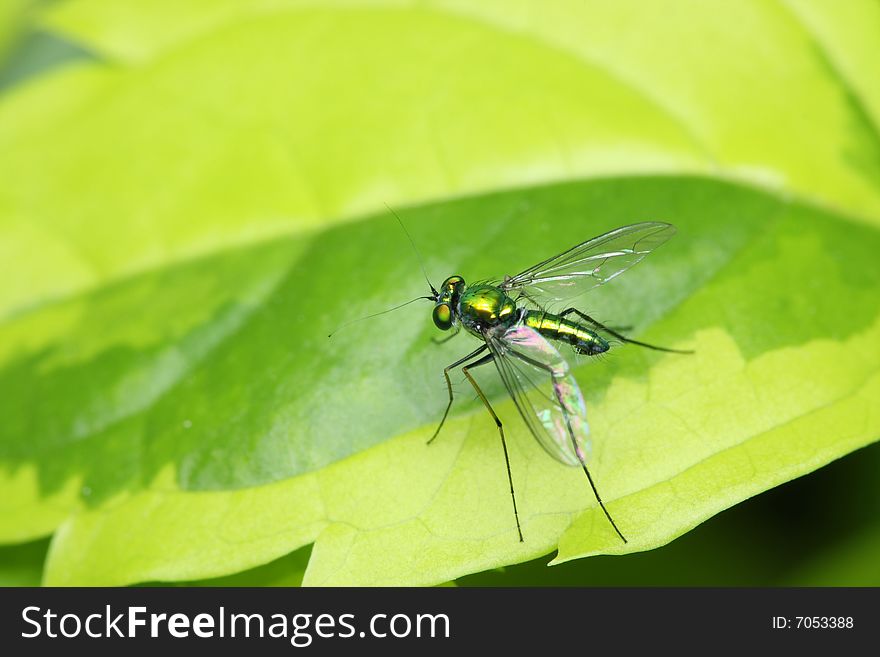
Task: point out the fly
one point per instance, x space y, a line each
519 336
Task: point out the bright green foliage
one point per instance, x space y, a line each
181 234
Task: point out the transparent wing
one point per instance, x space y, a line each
590 263
545 393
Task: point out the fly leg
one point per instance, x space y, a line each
488 358
574 445
475 352
619 336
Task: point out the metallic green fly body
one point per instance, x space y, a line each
517 333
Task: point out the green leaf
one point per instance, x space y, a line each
747 83
677 438
184 233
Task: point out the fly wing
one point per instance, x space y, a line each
547 396
590 263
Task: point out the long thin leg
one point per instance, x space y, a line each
574 444
589 478
617 335
488 358
474 353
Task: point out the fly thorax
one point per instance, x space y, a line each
485 306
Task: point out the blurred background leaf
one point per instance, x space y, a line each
14 19
22 565
181 220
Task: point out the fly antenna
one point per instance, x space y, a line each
415 248
359 319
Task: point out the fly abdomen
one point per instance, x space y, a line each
561 329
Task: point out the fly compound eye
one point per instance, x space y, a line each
442 316
452 283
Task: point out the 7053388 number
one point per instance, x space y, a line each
823 622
